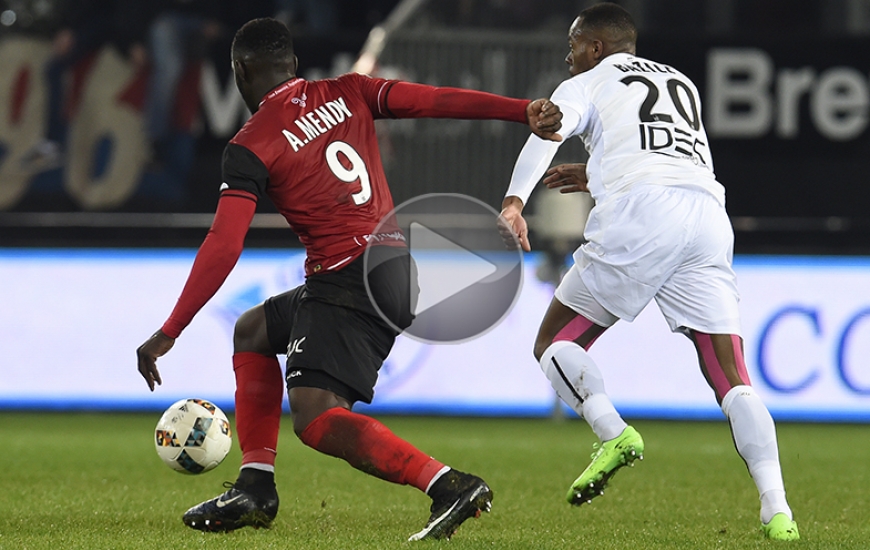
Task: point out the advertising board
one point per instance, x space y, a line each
71 320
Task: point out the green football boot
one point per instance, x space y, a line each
610 457
780 528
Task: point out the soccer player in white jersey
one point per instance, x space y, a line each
658 230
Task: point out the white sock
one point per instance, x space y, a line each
578 382
755 438
436 477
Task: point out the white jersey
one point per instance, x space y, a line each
641 124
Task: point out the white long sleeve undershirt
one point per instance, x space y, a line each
536 156
531 164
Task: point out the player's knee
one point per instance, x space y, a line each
541 346
303 416
249 333
307 404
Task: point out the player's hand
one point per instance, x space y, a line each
512 225
147 355
569 178
545 119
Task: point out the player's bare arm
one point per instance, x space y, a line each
545 119
512 214
568 178
147 355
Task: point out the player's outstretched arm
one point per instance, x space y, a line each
568 178
147 355
215 259
399 99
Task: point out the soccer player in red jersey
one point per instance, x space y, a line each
311 147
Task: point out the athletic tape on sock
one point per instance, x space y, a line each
573 329
714 368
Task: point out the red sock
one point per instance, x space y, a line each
371 447
259 397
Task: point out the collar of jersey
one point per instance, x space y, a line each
281 88
612 57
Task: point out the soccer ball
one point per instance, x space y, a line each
193 436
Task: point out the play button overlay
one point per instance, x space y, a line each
459 278
458 270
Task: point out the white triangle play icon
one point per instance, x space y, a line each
452 270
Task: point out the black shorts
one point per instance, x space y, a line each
332 335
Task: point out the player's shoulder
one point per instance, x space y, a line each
252 130
258 134
347 82
353 77
366 86
574 87
364 91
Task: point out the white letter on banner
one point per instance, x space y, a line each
749 92
790 86
224 109
839 104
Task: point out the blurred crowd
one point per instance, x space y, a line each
665 17
162 36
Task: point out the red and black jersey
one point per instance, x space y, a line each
311 148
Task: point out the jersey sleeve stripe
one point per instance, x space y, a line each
239 193
383 94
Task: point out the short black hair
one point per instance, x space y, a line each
612 19
266 38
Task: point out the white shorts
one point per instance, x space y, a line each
671 244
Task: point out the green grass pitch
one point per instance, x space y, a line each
93 481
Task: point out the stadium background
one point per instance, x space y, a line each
786 97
